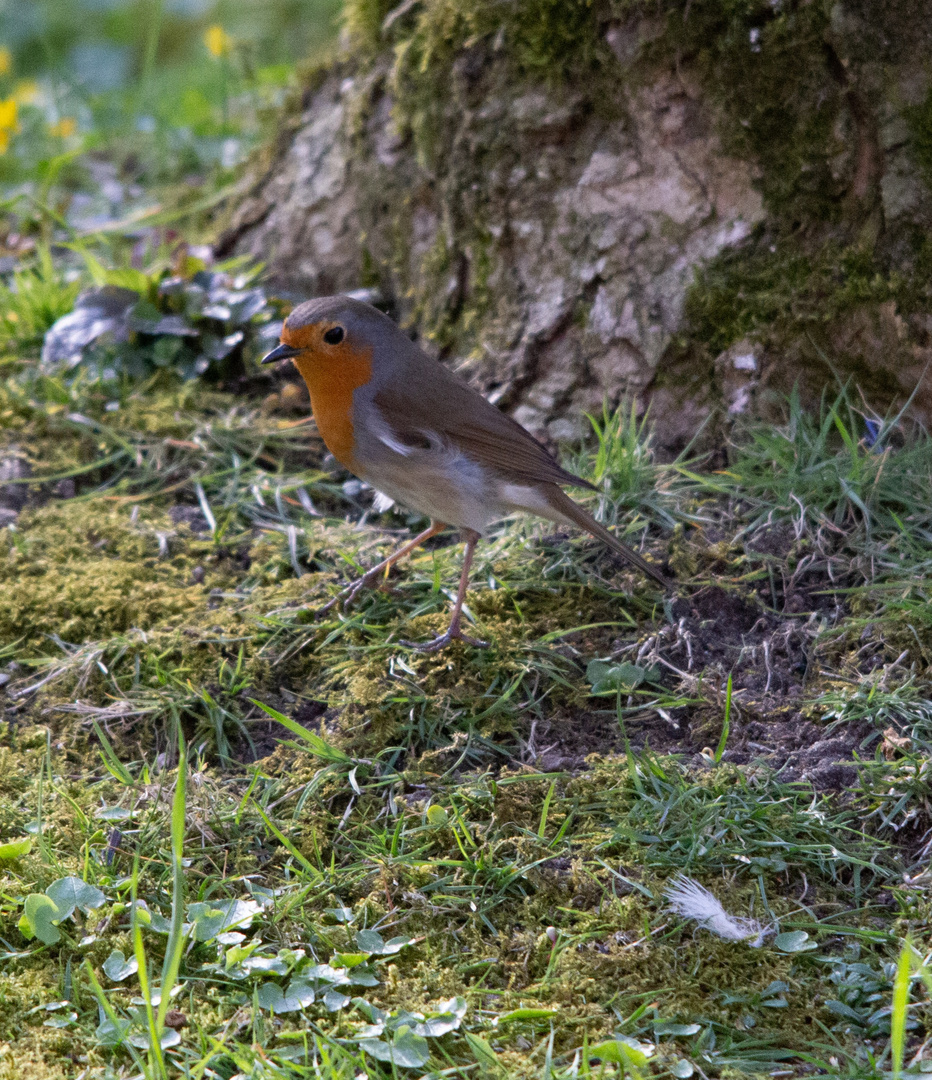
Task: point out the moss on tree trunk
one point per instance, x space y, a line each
694 201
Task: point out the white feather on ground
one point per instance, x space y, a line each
691 900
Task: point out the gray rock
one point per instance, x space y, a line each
13 496
738 371
99 314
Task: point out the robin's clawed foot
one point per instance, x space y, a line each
345 598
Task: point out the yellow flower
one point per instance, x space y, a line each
218 41
8 114
65 127
7 122
26 92
6 60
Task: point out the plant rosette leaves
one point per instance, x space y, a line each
363 976
39 918
252 968
340 914
447 1017
607 677
298 996
326 974
155 999
243 961
15 849
63 1021
168 1038
839 1008
71 892
370 1031
112 1034
151 919
117 967
42 912
98 313
375 1015
133 322
321 982
405 1050
67 1018
794 941
264 897
623 1051
350 960
264 965
230 937
334 1000
371 942
207 920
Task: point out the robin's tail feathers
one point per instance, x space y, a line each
567 508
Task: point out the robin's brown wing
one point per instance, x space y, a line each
426 397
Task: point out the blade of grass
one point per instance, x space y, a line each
112 763
318 746
726 725
545 809
899 1008
176 936
286 843
145 987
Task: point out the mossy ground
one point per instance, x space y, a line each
515 814
517 829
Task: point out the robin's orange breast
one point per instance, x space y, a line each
331 381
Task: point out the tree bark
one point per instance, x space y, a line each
695 209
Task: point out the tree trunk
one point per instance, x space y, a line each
573 201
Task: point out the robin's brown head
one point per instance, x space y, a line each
330 329
336 344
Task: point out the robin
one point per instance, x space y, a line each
415 432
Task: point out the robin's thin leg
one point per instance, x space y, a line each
454 632
370 577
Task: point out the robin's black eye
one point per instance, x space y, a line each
334 335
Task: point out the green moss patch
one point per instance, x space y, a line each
510 817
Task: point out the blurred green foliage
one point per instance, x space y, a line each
163 87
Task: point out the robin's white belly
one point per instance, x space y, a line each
460 492
455 493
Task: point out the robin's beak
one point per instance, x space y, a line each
282 352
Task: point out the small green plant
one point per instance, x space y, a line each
35 298
622 463
134 324
64 899
837 468
622 467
